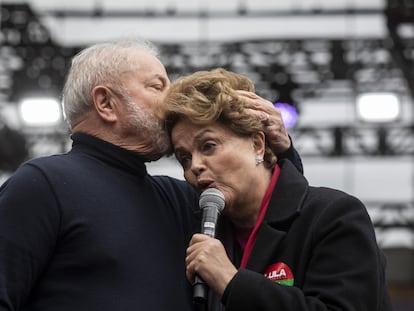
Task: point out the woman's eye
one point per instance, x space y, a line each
208 146
185 161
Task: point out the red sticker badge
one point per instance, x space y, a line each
280 273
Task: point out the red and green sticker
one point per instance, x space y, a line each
280 273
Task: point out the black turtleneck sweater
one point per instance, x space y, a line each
91 230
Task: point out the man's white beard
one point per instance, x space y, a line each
147 126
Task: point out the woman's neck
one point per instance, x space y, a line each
249 206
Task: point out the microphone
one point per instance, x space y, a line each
211 203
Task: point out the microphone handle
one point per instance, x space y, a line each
200 291
200 288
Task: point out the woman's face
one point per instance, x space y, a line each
213 156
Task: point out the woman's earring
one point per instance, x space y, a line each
259 160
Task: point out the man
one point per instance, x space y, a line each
90 229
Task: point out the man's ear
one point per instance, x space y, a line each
259 143
104 101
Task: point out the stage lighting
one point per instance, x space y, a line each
289 114
378 107
40 112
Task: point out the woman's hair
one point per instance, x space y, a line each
100 64
208 96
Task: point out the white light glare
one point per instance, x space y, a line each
378 107
40 112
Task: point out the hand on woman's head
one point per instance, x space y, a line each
271 117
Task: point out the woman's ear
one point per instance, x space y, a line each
104 101
259 143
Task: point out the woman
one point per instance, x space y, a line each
281 244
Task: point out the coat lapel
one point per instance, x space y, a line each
266 244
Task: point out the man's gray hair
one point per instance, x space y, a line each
99 64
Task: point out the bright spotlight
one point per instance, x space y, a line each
378 107
40 112
289 114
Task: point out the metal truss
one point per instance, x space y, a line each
393 223
400 13
282 69
354 141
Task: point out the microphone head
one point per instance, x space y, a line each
212 196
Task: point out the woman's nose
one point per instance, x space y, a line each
197 165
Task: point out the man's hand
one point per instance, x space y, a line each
271 117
